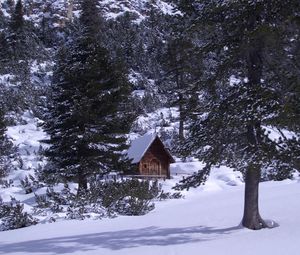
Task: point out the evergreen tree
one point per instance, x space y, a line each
22 42
16 38
2 19
17 20
20 47
2 134
89 117
181 65
121 38
5 146
243 94
3 45
48 31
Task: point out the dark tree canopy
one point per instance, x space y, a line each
244 94
90 112
17 19
5 147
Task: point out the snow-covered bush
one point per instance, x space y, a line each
81 208
30 184
167 195
5 167
6 183
54 201
128 197
12 216
69 204
107 198
131 205
6 149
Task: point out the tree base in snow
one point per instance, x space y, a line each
259 224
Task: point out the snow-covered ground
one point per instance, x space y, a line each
27 137
114 9
205 222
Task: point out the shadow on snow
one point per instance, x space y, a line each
117 240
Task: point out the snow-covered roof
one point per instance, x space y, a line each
139 147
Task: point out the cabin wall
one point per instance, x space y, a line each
154 164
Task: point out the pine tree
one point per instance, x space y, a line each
2 19
17 20
16 38
23 44
19 48
47 31
181 64
5 146
89 118
242 39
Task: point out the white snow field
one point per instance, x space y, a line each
205 222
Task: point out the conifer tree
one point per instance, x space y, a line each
22 42
16 38
17 19
181 65
243 94
2 19
89 117
19 48
5 146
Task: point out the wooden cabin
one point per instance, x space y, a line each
150 157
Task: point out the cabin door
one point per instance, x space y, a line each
154 167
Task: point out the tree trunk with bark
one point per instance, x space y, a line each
252 218
181 118
82 183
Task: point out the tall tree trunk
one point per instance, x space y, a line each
252 218
181 118
181 106
82 183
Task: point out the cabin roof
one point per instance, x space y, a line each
139 147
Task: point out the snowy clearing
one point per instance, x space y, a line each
206 221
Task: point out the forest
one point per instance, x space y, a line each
215 79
